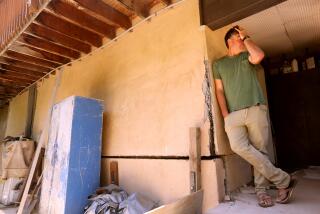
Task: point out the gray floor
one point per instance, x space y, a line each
306 199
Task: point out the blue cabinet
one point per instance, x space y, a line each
73 156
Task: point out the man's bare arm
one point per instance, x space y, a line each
221 97
256 55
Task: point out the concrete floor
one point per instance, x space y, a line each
306 199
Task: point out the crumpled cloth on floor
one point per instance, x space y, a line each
115 200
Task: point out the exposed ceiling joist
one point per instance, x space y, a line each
83 19
113 15
31 59
63 31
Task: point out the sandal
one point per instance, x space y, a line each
265 200
284 196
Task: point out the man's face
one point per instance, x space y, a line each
236 42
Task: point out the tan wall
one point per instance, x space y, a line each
151 83
17 116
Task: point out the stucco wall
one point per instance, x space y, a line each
151 83
17 116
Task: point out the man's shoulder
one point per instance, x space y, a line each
220 60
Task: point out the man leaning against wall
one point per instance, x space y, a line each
244 109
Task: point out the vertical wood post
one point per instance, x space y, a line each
114 175
195 159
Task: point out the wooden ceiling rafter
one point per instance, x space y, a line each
21 70
64 31
22 64
30 59
59 24
106 11
51 47
49 34
83 19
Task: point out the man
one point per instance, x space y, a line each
244 109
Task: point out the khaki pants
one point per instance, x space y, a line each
248 133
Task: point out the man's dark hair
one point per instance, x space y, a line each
230 32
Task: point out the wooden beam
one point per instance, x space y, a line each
195 159
139 7
21 70
8 84
31 109
107 12
48 46
84 19
18 74
30 59
16 81
217 14
38 53
15 77
25 65
68 28
55 36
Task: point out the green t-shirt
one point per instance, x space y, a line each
240 82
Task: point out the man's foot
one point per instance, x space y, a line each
264 200
284 195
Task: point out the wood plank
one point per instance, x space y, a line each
37 154
48 46
30 59
107 12
55 36
48 19
189 204
21 70
195 159
14 80
83 19
24 64
216 14
38 53
18 74
9 84
114 174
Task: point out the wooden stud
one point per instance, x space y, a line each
107 12
114 174
49 55
195 159
48 46
54 22
84 19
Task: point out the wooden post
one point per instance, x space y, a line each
31 109
114 175
195 159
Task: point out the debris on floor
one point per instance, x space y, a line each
306 198
114 200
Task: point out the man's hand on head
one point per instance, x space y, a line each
242 32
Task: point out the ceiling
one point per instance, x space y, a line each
64 31
288 27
